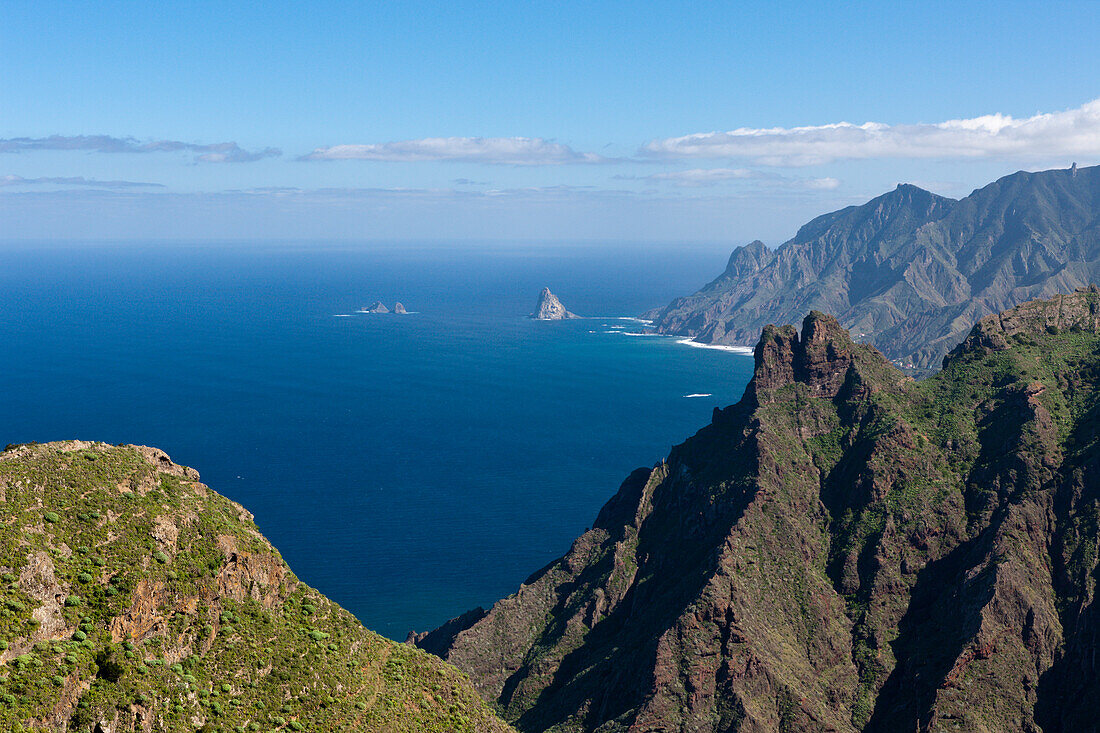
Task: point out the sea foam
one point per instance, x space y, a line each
721 347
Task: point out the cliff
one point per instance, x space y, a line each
909 271
844 549
134 598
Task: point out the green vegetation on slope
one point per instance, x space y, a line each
133 597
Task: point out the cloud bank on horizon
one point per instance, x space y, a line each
73 181
538 185
1069 132
488 150
226 152
699 177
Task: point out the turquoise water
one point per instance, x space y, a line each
410 467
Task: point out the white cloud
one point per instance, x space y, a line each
1066 133
493 150
704 176
227 152
699 177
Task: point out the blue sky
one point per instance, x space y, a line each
644 121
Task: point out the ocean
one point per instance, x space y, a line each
409 467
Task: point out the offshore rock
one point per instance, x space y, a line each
375 307
399 309
549 308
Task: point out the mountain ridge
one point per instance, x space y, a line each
909 271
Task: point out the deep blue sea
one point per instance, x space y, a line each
410 467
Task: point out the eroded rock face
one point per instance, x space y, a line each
819 358
399 309
375 307
845 549
549 308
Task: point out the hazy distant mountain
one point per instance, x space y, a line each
909 271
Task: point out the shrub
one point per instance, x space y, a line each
51 517
84 578
72 601
79 636
160 557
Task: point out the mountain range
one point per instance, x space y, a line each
909 272
845 549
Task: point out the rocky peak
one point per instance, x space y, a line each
549 308
819 358
399 309
748 259
376 307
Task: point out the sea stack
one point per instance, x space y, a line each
399 309
549 308
375 307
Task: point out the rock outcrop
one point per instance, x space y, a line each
375 307
909 271
549 308
399 309
134 598
845 549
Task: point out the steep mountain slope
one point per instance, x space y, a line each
134 598
844 549
909 271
